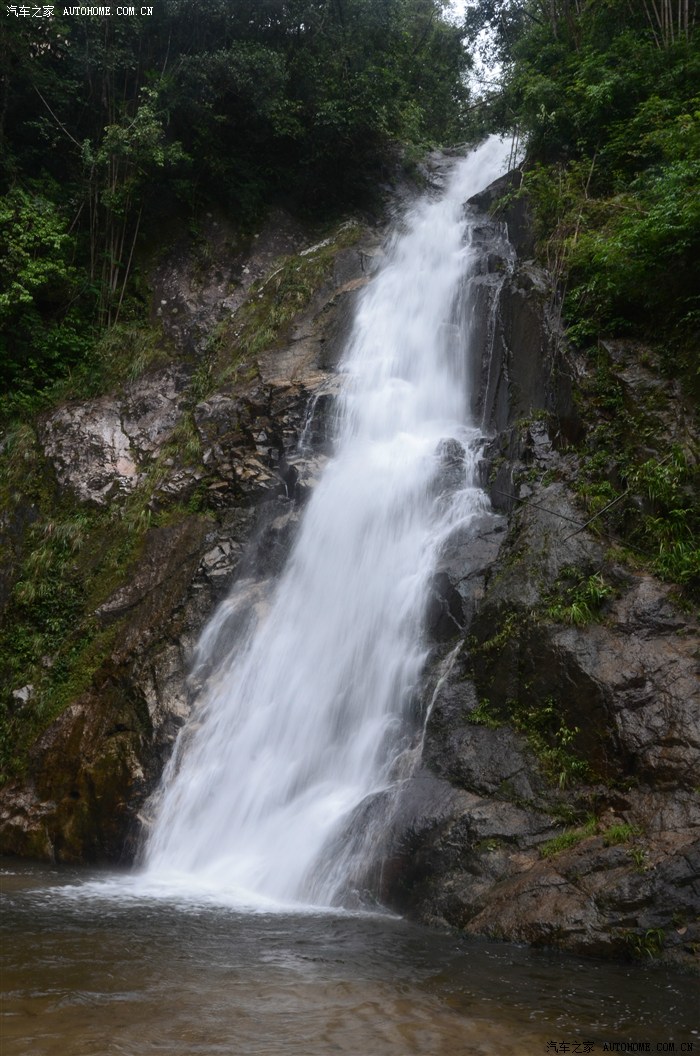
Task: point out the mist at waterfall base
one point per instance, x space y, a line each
308 711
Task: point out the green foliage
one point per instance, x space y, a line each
580 598
125 352
606 96
568 839
484 715
547 734
647 944
67 562
552 740
51 639
612 837
185 441
620 833
640 257
109 125
639 858
620 231
39 625
247 99
670 526
121 168
507 631
656 511
42 334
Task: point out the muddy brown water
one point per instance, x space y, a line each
97 974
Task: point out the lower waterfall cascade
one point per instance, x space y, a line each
310 712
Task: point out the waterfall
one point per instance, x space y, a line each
308 711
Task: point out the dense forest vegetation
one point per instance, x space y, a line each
606 96
108 123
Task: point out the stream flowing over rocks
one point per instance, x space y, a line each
527 727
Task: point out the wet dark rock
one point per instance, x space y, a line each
516 212
444 616
463 562
473 757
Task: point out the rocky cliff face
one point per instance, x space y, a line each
177 486
556 799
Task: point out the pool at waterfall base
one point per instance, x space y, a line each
92 968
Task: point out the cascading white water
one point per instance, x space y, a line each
306 716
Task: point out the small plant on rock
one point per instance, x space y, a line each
621 833
568 839
648 944
639 857
483 715
580 602
551 740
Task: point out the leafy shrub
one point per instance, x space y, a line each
43 332
581 598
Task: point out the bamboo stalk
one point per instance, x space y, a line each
651 23
127 270
669 21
